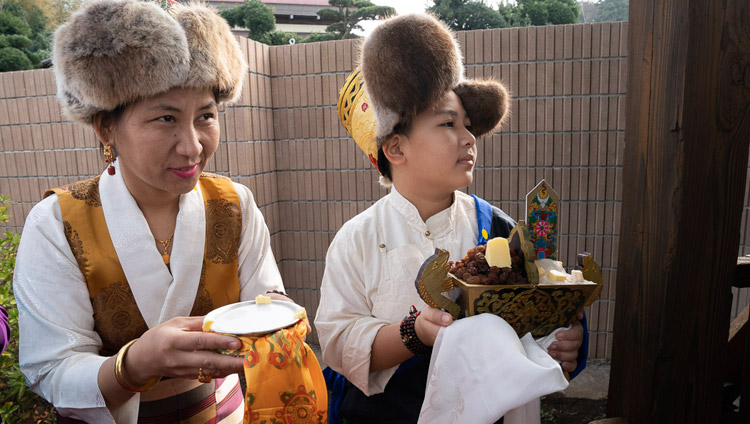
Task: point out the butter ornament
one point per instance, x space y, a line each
577 276
498 253
555 275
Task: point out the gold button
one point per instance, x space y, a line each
382 246
427 233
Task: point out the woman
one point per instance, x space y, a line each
4 329
114 273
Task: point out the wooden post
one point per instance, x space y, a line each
685 163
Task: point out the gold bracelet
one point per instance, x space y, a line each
121 377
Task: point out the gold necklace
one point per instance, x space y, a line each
165 246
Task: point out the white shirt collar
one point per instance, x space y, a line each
150 281
437 225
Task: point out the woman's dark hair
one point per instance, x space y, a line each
384 166
111 117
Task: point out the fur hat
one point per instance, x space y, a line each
409 63
112 53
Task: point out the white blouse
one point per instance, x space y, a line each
369 277
58 345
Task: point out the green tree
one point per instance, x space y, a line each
589 10
550 12
612 10
348 15
277 38
254 16
513 15
12 24
319 36
463 15
561 13
55 12
13 59
24 36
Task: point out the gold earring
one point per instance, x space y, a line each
110 158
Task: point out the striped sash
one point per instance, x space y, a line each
203 404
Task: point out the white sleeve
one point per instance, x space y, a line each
58 349
345 323
258 271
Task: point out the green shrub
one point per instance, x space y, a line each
12 59
20 42
18 404
11 24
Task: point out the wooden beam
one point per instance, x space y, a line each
685 163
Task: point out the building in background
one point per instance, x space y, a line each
298 16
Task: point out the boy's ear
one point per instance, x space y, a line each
392 149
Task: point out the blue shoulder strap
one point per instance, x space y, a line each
484 219
583 351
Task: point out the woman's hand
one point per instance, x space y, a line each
179 348
565 349
429 322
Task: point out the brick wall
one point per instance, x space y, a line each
284 141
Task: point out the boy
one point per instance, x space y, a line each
427 120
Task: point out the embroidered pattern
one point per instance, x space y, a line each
284 386
86 190
299 407
223 226
76 245
203 303
211 175
542 214
116 316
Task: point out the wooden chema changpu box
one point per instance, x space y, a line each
519 278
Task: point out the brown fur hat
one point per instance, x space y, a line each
410 62
487 104
215 57
112 53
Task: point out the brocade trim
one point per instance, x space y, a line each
86 190
223 231
116 316
203 303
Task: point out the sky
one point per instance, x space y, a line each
401 6
408 6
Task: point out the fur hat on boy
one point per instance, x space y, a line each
113 53
409 63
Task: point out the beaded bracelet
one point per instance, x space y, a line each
409 334
277 292
121 378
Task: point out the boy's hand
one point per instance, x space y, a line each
429 322
565 349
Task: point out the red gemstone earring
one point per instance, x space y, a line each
110 158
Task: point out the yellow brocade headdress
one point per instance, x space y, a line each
357 116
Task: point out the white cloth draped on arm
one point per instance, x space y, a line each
480 371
